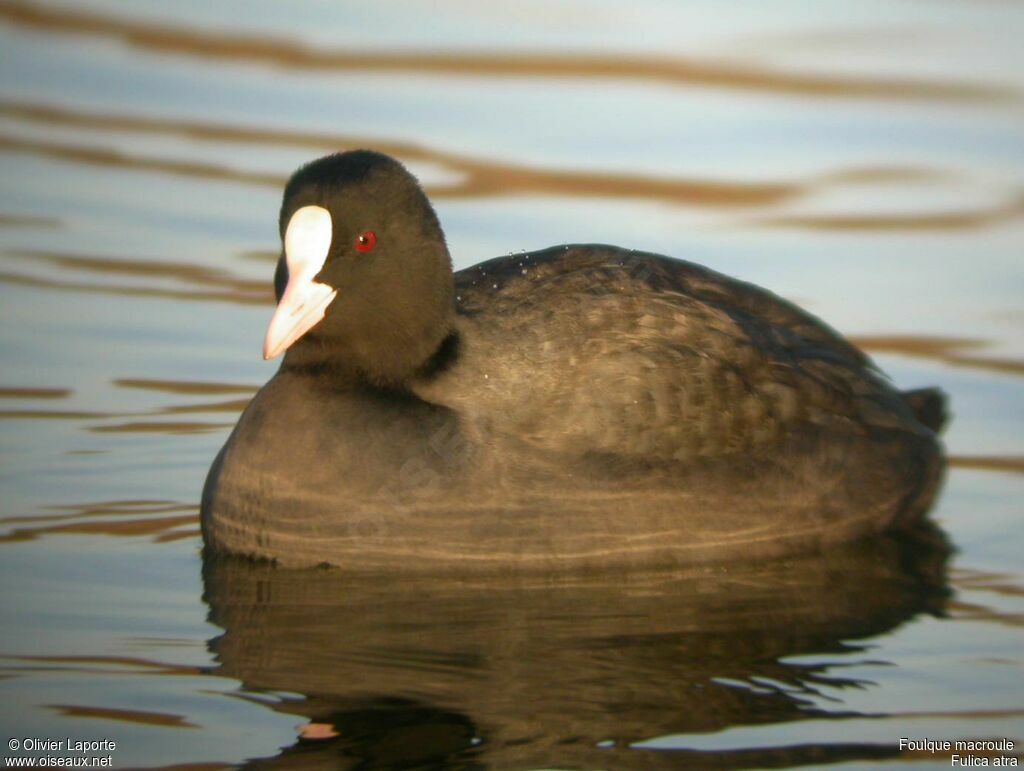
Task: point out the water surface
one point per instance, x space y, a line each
866 161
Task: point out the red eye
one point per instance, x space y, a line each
365 241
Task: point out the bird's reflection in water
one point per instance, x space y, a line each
514 671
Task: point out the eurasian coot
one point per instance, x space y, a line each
582 406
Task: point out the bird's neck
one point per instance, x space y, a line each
391 364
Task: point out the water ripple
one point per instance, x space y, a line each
675 71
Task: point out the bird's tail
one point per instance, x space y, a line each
929 405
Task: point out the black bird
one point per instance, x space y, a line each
581 406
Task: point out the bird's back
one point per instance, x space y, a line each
635 371
643 355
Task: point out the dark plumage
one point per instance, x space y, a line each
582 405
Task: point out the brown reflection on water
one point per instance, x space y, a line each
161 642
970 611
10 392
465 164
213 284
28 220
948 350
482 178
997 583
53 414
208 285
105 157
108 665
163 530
176 388
232 405
948 220
33 393
869 175
17 279
479 178
185 386
104 508
157 518
159 427
1009 463
980 581
182 271
161 719
259 255
677 71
